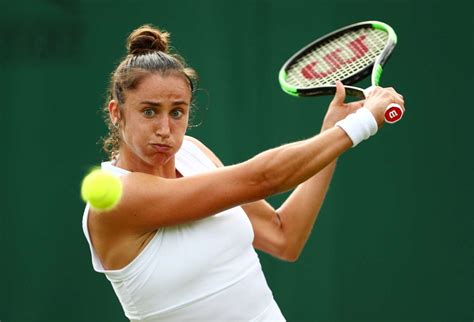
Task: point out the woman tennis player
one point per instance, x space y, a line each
180 245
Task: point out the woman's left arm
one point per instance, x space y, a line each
283 233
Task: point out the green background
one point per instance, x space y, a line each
393 241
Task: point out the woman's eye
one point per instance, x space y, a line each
149 113
177 114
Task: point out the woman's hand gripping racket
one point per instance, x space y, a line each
349 55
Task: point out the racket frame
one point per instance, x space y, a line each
375 68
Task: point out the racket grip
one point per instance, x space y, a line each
393 113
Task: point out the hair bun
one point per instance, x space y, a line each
147 39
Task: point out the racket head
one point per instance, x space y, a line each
348 54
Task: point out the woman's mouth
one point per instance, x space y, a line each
161 147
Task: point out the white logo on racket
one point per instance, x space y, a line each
393 114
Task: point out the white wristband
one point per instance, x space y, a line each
359 126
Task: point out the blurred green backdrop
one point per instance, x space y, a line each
393 241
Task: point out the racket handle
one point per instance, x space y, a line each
393 113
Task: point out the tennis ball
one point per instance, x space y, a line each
101 189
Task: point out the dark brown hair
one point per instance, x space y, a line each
148 53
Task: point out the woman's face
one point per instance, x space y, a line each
155 119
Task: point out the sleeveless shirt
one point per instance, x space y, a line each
203 270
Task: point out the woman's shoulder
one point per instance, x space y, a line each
208 152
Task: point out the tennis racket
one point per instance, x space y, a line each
348 54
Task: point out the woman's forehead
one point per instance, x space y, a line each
159 87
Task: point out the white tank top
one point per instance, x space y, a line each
204 270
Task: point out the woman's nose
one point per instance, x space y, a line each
163 127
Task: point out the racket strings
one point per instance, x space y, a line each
337 59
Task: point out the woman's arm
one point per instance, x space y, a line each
150 202
283 233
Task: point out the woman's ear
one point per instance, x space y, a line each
114 112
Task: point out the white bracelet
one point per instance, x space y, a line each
359 126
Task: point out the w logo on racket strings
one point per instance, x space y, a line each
357 47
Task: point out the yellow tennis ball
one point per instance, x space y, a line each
101 189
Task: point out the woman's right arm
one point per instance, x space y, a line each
150 202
